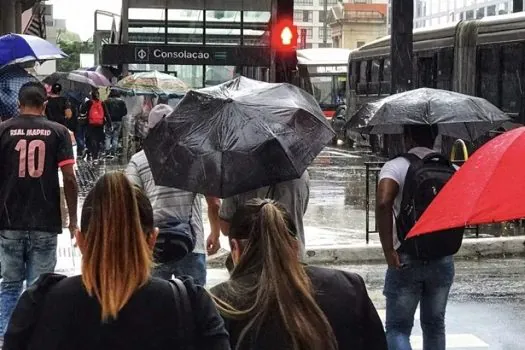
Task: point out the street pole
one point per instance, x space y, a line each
401 60
517 6
401 53
325 24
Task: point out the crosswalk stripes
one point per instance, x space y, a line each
454 340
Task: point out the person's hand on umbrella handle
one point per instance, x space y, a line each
213 244
392 259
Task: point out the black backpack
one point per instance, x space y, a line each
425 178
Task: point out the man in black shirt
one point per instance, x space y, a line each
32 148
58 108
117 110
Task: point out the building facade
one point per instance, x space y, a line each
311 17
429 13
357 23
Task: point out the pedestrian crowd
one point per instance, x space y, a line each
136 236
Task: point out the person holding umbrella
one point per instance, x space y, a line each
411 278
178 214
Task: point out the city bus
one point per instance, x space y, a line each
323 73
482 57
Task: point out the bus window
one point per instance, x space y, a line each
425 72
445 64
363 78
373 85
322 90
511 94
386 77
488 78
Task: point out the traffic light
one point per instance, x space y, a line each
284 36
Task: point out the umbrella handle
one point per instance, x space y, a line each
453 153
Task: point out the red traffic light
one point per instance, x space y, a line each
284 35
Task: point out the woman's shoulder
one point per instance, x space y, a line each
338 278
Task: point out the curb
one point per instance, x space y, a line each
373 253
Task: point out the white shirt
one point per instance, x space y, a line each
397 170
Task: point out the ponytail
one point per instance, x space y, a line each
271 253
117 259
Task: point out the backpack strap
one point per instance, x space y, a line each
184 313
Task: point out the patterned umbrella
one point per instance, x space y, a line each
152 83
99 79
11 80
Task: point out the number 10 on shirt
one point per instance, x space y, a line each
32 158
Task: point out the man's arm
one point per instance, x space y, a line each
385 197
213 244
68 112
71 193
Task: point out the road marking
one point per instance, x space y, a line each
339 153
454 341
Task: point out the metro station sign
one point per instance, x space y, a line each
186 55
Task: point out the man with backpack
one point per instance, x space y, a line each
180 249
421 269
97 116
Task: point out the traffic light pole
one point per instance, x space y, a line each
401 53
401 60
284 62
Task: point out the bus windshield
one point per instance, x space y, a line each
323 73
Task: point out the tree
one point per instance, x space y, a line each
73 49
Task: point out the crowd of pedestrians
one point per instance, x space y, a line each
136 236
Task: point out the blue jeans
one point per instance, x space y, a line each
112 137
417 281
80 137
24 256
193 264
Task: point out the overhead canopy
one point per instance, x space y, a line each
227 5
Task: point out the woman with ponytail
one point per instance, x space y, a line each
115 304
272 301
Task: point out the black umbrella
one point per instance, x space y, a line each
237 136
457 115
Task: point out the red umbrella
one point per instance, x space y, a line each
489 187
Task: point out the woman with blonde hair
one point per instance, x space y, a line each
116 304
272 301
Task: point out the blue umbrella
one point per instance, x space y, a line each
11 80
19 48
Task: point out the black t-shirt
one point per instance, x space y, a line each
70 319
31 151
56 109
116 109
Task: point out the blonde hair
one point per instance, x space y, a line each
270 254
117 259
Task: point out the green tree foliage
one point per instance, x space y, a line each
73 49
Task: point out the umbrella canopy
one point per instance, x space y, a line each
488 188
97 78
60 77
237 136
457 115
152 83
11 80
19 48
